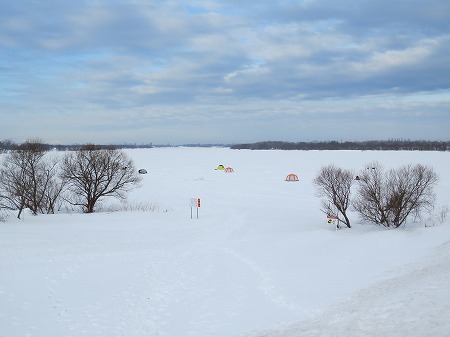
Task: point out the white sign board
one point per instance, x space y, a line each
195 202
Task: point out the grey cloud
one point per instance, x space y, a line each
366 14
224 61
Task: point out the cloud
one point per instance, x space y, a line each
146 63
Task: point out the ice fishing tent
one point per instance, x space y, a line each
291 177
229 170
142 171
220 168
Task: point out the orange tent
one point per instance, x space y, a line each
291 177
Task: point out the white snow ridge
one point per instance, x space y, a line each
414 303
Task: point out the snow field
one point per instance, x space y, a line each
259 261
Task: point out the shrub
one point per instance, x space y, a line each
390 199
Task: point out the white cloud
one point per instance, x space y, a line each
383 61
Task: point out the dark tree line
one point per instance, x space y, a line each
385 145
8 145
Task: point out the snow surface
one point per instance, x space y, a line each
259 261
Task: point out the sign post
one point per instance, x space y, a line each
333 221
195 203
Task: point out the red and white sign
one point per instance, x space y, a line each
332 220
195 202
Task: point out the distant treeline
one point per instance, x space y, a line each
6 145
380 145
383 145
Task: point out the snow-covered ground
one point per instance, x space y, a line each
259 261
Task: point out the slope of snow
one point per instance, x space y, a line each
259 261
415 302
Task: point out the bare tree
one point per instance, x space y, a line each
333 184
5 203
53 187
370 201
93 173
12 187
389 199
26 177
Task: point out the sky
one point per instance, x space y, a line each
224 71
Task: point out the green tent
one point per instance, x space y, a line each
220 167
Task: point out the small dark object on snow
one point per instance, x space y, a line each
142 171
